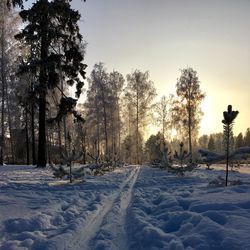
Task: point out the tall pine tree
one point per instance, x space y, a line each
52 25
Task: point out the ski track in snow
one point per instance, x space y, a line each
132 208
109 221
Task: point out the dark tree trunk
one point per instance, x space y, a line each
190 135
10 127
27 137
3 79
48 138
33 135
42 96
84 145
227 151
190 127
59 139
42 134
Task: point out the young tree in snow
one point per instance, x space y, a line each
139 92
228 120
154 147
52 24
191 96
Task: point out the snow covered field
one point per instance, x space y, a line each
135 207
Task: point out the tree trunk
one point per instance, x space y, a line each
33 135
98 131
10 127
227 151
105 123
42 134
190 131
119 131
3 78
42 96
84 145
59 139
49 145
137 124
27 137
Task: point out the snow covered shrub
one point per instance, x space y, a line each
181 155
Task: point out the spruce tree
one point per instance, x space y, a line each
51 25
228 122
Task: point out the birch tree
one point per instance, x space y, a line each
139 92
191 96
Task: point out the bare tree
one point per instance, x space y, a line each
140 92
191 96
9 53
162 114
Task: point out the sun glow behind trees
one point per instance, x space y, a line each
214 41
168 36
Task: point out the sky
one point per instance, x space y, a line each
163 36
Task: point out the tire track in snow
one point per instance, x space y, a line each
108 220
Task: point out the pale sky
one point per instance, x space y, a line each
163 36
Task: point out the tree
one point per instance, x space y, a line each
203 141
211 143
161 114
103 111
140 93
239 141
9 53
129 148
51 25
3 74
190 94
155 146
247 138
116 83
229 117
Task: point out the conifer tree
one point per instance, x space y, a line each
228 120
211 143
239 141
247 138
51 25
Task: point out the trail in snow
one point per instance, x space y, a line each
106 229
130 208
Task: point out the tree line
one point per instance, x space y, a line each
42 59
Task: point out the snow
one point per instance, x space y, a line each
134 207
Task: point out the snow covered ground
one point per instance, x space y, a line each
135 207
